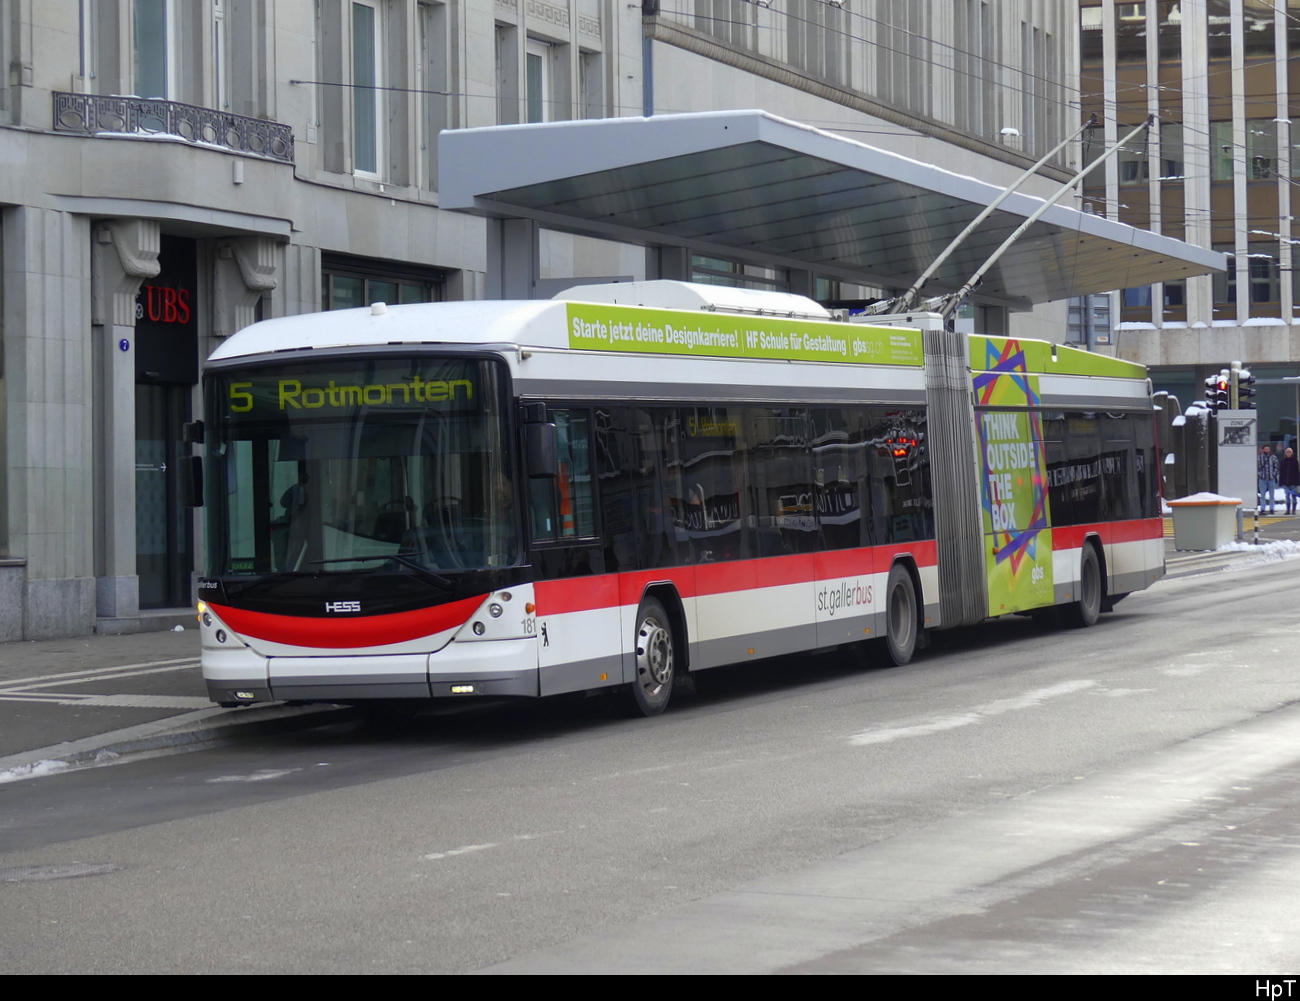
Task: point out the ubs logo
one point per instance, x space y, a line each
342 606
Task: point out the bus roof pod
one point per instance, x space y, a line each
665 294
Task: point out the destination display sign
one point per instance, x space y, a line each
328 390
595 327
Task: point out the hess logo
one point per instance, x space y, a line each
342 606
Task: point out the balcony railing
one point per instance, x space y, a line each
94 114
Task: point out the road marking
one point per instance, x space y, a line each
99 677
262 775
93 672
118 701
28 689
463 850
976 714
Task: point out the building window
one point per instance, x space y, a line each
1261 148
507 74
591 85
903 56
1225 283
155 22
1223 151
974 66
1171 152
350 282
366 78
431 77
719 271
1265 286
88 35
816 39
1175 300
1138 297
1133 167
727 20
220 56
1260 151
1219 20
537 80
1089 322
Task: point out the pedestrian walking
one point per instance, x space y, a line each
1266 469
1288 469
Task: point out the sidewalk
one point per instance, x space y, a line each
73 699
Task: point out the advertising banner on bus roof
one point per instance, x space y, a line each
595 327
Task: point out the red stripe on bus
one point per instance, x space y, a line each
1139 530
850 562
632 585
350 633
581 594
575 594
744 575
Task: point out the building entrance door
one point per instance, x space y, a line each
163 532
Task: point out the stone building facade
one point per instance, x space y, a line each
1221 79
172 170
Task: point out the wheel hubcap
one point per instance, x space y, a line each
654 655
1091 585
900 614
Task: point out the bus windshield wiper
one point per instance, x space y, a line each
402 558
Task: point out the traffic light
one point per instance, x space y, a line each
1217 389
1245 390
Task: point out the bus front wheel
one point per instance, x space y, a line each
900 615
654 659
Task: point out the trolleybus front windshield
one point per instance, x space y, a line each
360 463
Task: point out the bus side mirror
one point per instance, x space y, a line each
192 481
541 451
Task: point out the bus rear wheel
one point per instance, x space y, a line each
1085 611
655 660
900 616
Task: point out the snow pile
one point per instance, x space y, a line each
33 771
1269 552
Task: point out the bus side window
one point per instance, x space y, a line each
615 461
563 508
1120 496
1147 464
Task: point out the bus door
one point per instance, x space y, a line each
579 643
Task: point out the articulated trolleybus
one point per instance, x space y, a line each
639 481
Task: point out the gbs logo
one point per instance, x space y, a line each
342 606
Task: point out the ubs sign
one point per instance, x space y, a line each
166 322
159 304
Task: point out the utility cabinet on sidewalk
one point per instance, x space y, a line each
1204 521
1236 437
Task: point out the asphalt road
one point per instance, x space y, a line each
1017 800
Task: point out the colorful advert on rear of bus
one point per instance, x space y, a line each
1014 482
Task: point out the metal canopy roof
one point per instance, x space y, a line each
748 185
